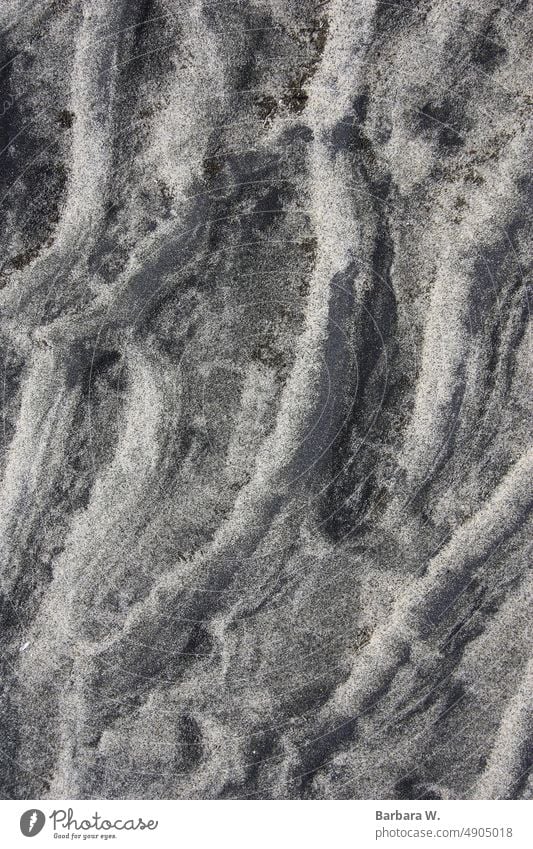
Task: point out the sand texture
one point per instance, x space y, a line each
266 456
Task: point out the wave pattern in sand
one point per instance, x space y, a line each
266 446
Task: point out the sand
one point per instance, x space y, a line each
266 463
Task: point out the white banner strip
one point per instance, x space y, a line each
251 824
